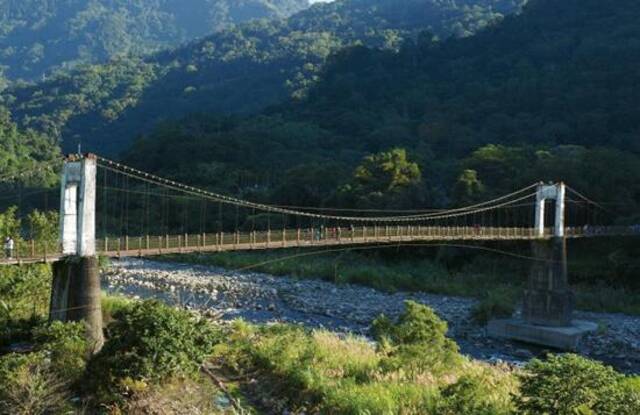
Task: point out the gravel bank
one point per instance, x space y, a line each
262 298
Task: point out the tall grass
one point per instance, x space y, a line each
320 372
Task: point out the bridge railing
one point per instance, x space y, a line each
37 251
30 249
337 235
307 236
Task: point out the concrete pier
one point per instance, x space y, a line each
547 310
76 296
548 299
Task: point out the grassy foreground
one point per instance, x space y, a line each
159 359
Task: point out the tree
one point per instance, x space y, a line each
387 172
44 228
468 187
10 223
25 156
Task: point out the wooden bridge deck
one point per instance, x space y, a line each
29 252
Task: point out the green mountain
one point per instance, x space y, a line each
239 70
38 37
552 93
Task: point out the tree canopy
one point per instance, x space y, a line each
40 37
26 156
545 95
242 69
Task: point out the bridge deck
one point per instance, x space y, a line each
29 252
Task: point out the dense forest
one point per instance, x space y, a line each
239 70
550 94
40 37
26 157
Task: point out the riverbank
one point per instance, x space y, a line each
159 358
602 275
347 308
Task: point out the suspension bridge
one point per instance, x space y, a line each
114 210
107 208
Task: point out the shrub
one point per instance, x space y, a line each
473 395
24 292
630 400
150 341
570 384
112 304
417 341
66 347
20 330
29 386
496 304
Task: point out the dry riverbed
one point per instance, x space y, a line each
262 298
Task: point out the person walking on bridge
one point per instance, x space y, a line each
9 245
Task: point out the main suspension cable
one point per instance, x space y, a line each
140 175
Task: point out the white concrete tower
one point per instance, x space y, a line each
78 206
550 192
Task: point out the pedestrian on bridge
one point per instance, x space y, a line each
9 246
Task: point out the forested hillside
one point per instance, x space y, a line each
38 37
26 157
240 70
550 94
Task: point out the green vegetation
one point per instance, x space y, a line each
480 116
242 69
41 381
39 37
149 342
26 157
386 176
24 300
570 384
150 360
323 373
379 272
320 372
384 115
25 291
28 387
417 342
37 233
153 355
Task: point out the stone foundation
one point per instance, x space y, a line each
563 338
